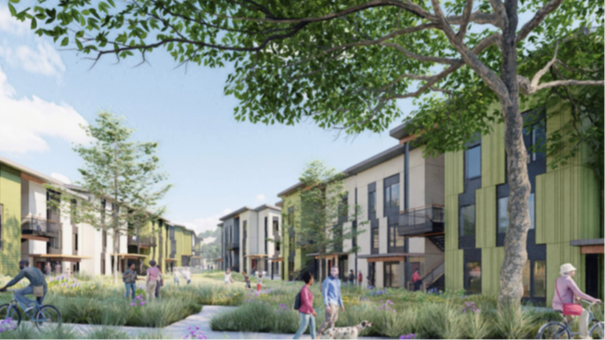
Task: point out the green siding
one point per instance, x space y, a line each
300 259
10 199
485 218
567 208
454 184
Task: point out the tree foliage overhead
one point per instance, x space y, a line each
343 64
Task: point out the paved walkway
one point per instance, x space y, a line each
178 330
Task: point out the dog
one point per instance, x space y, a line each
346 332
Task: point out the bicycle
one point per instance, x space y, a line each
562 330
46 318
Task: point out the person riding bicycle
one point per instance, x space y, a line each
565 290
36 280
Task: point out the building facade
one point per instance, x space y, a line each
564 211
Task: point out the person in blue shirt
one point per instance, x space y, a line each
36 279
332 300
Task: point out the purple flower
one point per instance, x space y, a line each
132 304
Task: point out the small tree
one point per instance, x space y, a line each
119 172
324 212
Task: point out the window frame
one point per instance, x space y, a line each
460 218
466 163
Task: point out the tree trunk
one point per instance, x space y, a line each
116 244
515 242
161 249
319 272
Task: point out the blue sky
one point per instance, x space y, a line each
215 163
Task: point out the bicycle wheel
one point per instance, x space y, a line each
596 331
10 317
48 318
554 330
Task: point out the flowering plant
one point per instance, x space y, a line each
408 336
195 333
470 307
282 308
7 325
387 306
138 301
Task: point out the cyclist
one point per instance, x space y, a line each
36 279
565 290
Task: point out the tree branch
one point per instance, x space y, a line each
466 17
540 15
500 12
431 59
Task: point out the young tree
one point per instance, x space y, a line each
324 212
346 63
120 173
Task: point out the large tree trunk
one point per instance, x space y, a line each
515 243
116 244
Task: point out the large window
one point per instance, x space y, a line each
473 162
391 277
534 274
395 240
391 196
535 138
372 202
375 241
503 215
467 220
473 277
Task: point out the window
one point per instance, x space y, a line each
473 162
75 241
540 279
375 238
275 226
535 138
473 276
291 217
372 202
391 279
503 215
395 240
277 246
391 196
467 220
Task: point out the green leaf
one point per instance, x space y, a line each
65 41
34 24
12 10
14 1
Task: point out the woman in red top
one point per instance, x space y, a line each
306 311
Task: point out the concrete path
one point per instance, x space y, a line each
180 329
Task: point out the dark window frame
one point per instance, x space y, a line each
388 274
460 227
466 162
390 206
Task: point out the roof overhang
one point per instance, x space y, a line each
257 256
130 256
390 257
590 246
63 257
400 131
267 206
217 260
276 259
375 160
170 260
235 213
31 174
326 256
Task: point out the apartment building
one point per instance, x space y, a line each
249 239
564 210
401 197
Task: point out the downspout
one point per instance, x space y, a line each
406 200
356 245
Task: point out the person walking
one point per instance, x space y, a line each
47 269
351 278
360 278
176 277
246 279
130 279
259 283
305 311
158 287
565 291
228 279
153 276
332 300
416 281
187 275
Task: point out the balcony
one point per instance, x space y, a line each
233 245
142 241
39 226
423 221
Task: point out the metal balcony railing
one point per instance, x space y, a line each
422 221
145 241
39 226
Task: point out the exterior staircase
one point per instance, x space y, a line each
438 240
435 276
